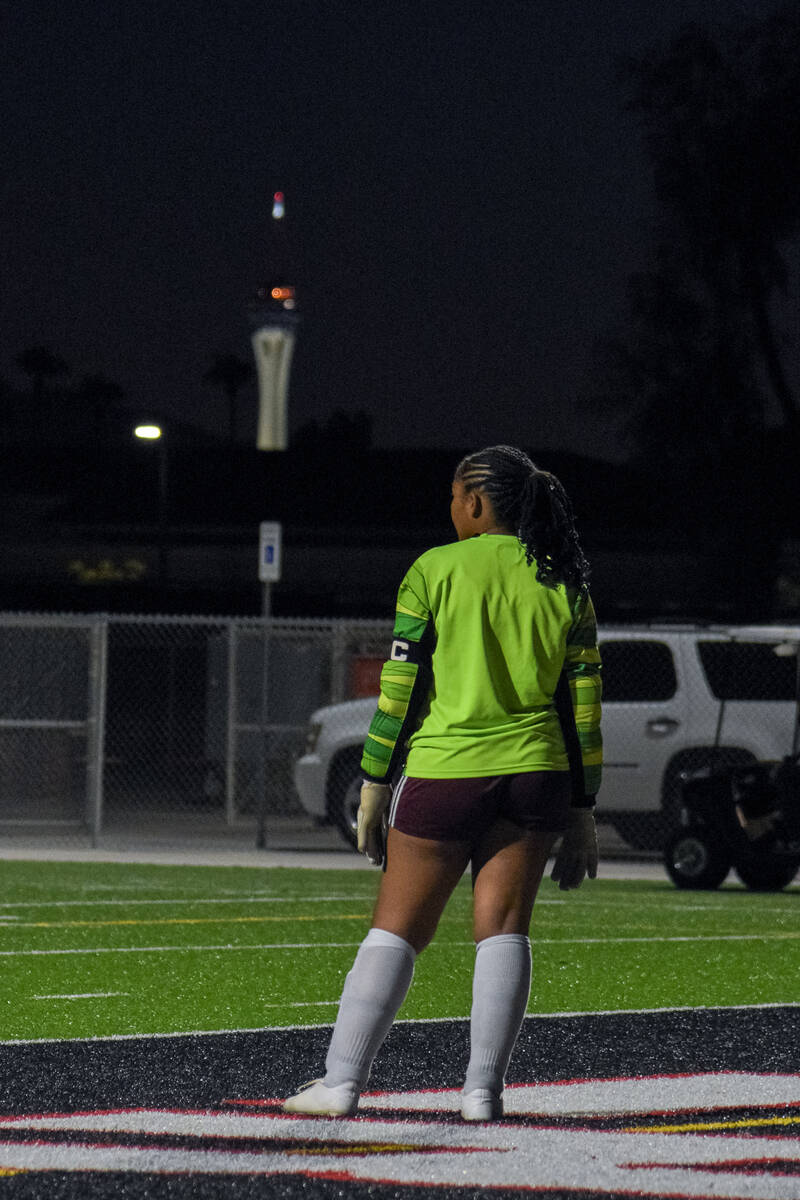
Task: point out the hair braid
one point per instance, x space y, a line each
533 503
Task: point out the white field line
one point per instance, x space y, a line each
79 995
182 949
777 935
304 1004
724 902
597 904
556 1016
725 937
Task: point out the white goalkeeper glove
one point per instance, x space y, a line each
373 820
577 856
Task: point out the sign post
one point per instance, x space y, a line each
269 560
269 572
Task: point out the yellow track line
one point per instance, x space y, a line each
706 1126
188 921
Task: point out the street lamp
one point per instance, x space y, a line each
151 432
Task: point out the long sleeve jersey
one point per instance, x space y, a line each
479 645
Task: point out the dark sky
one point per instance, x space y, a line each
466 195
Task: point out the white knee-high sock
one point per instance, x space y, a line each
500 989
375 988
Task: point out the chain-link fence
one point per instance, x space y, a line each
186 722
211 724
51 720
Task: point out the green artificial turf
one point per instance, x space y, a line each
176 949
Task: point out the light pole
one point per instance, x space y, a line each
150 432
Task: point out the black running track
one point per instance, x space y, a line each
209 1071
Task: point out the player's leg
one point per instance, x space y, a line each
508 865
373 991
419 878
509 860
507 870
506 877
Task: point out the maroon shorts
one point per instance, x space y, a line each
461 810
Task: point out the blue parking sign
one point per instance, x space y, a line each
269 551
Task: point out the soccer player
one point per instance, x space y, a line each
490 700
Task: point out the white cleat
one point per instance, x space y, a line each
317 1100
481 1105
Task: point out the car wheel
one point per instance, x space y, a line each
344 793
694 860
766 874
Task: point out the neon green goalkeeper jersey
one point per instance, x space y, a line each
479 645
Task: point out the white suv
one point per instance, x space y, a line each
675 698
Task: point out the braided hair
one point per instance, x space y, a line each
533 503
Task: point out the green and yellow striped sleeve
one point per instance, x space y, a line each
405 680
582 666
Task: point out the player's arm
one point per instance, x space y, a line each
405 681
577 855
582 667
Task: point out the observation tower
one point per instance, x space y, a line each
273 322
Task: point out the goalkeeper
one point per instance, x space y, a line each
491 695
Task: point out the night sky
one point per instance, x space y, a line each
467 199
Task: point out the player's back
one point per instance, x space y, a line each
500 643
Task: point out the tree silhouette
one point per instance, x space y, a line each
7 406
684 376
343 432
722 127
229 373
721 121
98 395
41 365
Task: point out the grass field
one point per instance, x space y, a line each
90 949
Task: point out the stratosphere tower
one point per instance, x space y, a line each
273 323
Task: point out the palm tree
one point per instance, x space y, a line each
229 373
98 394
40 364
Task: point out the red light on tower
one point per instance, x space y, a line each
278 206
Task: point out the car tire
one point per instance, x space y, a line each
766 873
344 793
694 860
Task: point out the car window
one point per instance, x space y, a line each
637 670
748 671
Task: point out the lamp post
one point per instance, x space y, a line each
150 432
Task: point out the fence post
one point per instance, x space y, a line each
261 830
96 724
230 739
341 633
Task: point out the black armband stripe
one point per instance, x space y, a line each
422 652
